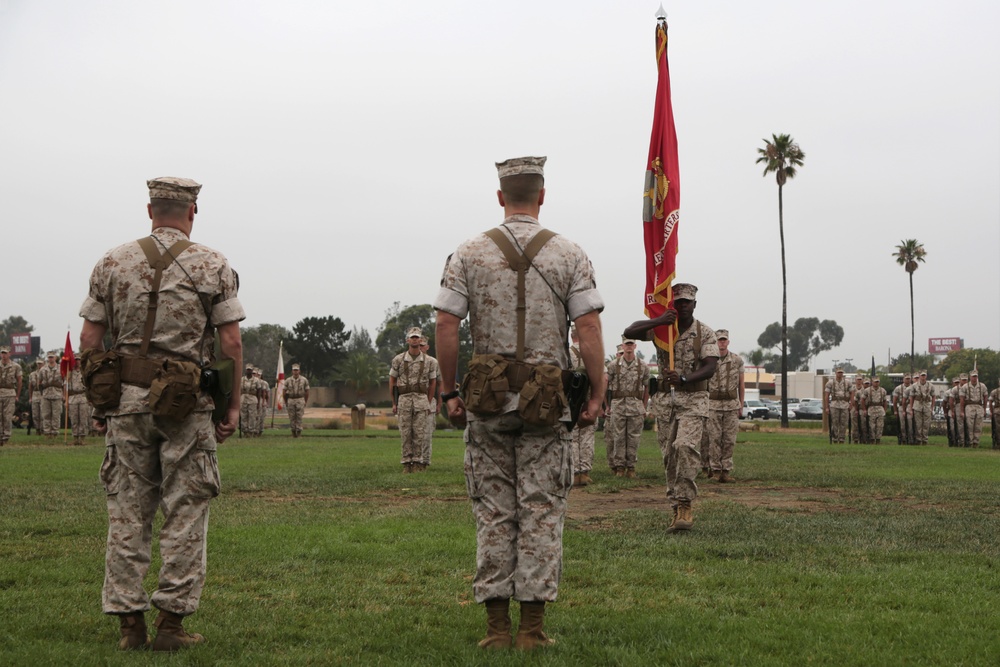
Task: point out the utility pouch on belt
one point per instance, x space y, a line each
174 391
102 378
485 385
542 400
217 380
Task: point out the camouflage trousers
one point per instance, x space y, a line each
518 477
7 406
431 424
296 408
155 462
627 431
721 429
609 438
411 415
248 415
838 423
583 448
680 428
974 423
36 412
79 416
876 422
859 427
51 415
922 425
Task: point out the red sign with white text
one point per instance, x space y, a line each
943 345
20 344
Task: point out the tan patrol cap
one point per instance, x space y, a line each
963 376
974 372
720 333
685 291
296 367
172 187
867 381
521 165
414 332
4 348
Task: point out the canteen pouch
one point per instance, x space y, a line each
542 400
217 380
102 378
485 385
174 391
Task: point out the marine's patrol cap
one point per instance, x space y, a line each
296 367
906 376
249 367
875 379
974 372
720 333
867 381
838 369
963 376
685 291
4 348
39 361
626 340
955 381
521 165
414 332
924 373
53 354
172 187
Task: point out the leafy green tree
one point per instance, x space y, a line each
319 344
362 370
360 340
261 343
782 156
904 363
807 338
391 337
985 360
909 254
12 325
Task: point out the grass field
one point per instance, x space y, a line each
322 552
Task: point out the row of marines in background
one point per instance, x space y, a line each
857 412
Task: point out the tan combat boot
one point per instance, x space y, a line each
407 468
576 479
630 473
683 520
171 635
497 624
529 632
133 629
724 477
585 479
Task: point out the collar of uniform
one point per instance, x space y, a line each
164 233
521 217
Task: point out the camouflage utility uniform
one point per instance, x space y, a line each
153 461
974 404
921 404
10 379
35 397
724 415
79 409
51 382
583 436
249 406
414 376
874 402
839 400
296 389
627 382
681 414
518 475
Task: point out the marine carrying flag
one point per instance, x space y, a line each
68 361
661 200
279 384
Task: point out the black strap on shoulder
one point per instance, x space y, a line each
159 262
520 263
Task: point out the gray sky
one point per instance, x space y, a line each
347 148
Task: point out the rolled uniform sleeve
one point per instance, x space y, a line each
227 307
453 297
584 297
94 308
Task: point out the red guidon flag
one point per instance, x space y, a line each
68 361
661 201
279 383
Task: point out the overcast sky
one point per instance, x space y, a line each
347 148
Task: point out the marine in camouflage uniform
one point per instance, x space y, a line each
994 406
79 409
899 405
837 395
857 390
296 396
609 422
973 401
726 393
265 400
682 399
153 461
51 382
955 398
414 375
425 456
249 403
518 475
583 436
10 389
920 397
874 402
35 395
628 384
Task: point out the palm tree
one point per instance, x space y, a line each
908 254
781 156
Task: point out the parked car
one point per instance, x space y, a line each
754 409
774 410
811 410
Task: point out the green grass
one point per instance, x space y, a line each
322 552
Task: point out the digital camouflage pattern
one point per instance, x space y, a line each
79 409
295 401
723 413
413 377
840 397
51 383
681 418
974 397
518 475
249 406
152 461
583 436
874 402
921 399
627 382
10 374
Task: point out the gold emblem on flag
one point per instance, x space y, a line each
655 193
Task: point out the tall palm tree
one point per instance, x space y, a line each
908 254
782 156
